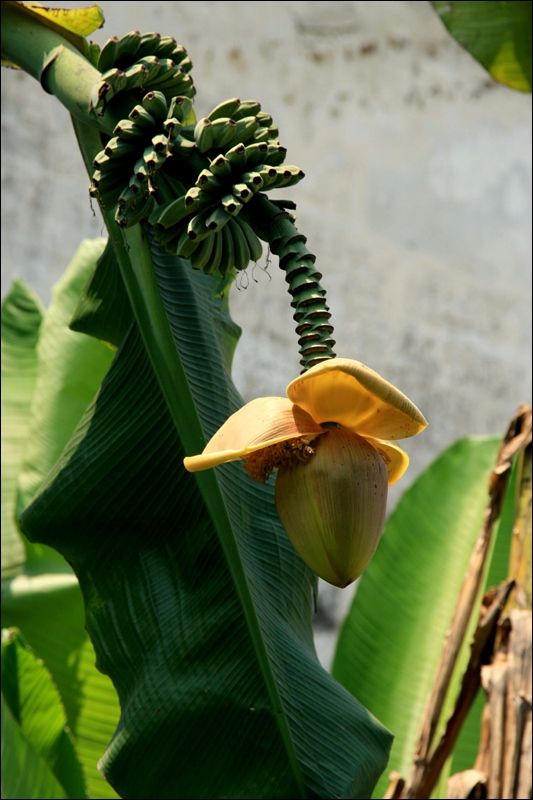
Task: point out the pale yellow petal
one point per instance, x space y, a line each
396 460
260 423
357 398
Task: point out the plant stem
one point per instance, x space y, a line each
311 312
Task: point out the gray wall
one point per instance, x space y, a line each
416 201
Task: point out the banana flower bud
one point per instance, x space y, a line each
331 440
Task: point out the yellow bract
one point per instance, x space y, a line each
338 391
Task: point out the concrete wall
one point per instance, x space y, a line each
416 201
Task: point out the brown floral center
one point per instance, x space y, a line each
262 463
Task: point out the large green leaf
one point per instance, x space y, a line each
49 610
197 605
41 760
104 309
46 605
497 34
406 598
21 320
70 368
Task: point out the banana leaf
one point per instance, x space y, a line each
21 320
497 34
60 371
38 754
405 600
198 607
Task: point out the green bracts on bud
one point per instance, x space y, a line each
333 504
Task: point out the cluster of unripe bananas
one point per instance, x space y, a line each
190 180
142 61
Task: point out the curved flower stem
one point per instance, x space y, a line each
311 313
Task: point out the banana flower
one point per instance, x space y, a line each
331 441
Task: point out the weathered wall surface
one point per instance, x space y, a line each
416 201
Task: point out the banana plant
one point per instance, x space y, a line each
197 605
195 579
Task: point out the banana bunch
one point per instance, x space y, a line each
191 180
244 156
126 169
147 62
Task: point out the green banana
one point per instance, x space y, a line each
269 175
184 63
141 170
255 154
241 192
161 143
128 130
174 84
264 119
227 259
248 108
102 162
262 135
208 182
136 75
108 53
154 159
106 188
203 134
166 69
149 44
196 199
192 198
186 246
167 45
119 148
133 212
137 184
197 228
200 257
275 155
116 80
217 219
242 251
231 205
169 214
179 83
254 245
143 118
244 130
128 46
220 167
184 147
152 64
253 180
156 104
180 57
236 157
224 109
289 176
180 107
216 254
224 129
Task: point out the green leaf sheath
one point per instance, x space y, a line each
53 60
423 553
163 607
